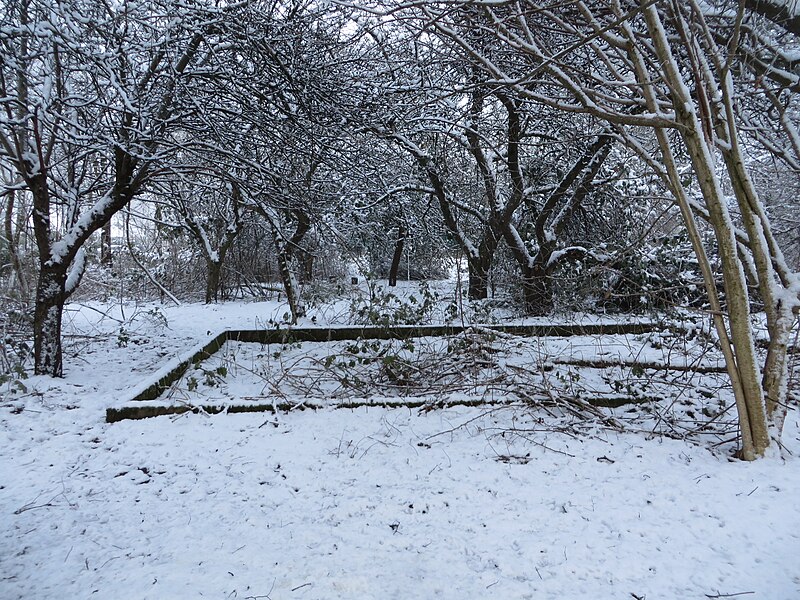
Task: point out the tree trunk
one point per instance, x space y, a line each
750 400
398 254
308 267
47 321
106 258
779 313
478 281
537 291
773 274
748 450
290 284
213 275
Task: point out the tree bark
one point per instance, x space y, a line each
308 266
50 293
398 254
284 252
479 279
213 276
106 257
537 291
295 250
752 413
288 278
780 317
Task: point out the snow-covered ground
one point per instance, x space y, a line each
364 503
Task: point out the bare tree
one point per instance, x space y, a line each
210 208
471 141
90 94
619 64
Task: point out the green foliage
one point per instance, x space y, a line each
391 360
123 337
16 325
659 276
214 377
630 388
385 309
14 354
208 378
126 336
569 380
452 311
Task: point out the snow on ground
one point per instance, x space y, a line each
365 503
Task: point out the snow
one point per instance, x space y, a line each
89 220
428 369
208 248
557 255
364 503
76 272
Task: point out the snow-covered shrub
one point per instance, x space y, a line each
661 275
383 308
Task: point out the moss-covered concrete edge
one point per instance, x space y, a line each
132 412
335 334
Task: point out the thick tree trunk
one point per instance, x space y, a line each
289 250
537 292
213 276
478 281
47 321
398 254
779 313
773 274
736 296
